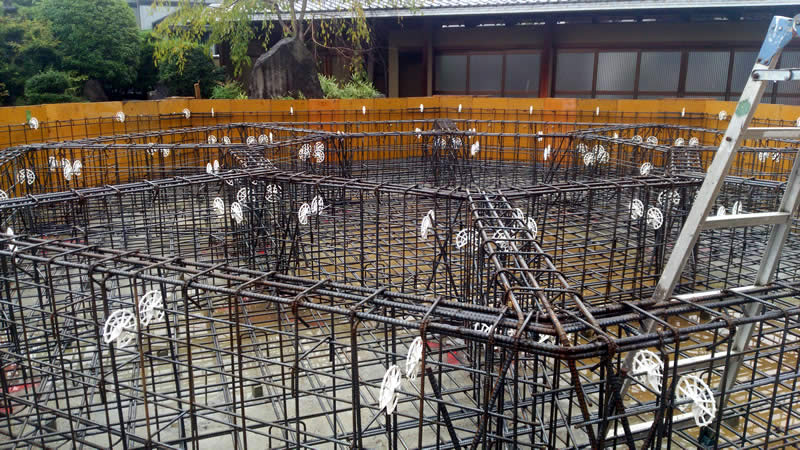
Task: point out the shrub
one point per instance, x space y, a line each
357 87
99 39
49 82
228 90
146 73
49 97
198 66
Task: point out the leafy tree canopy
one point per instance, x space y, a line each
198 66
99 38
231 22
26 48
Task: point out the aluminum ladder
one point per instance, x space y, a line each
781 31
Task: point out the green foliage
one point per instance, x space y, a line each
357 87
3 92
50 81
26 48
198 66
230 22
229 90
52 86
146 73
99 39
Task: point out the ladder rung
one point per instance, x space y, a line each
772 133
746 220
776 74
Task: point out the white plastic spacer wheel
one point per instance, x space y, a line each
421 107
540 134
703 406
317 205
387 396
667 197
209 169
414 357
319 152
475 148
303 213
762 156
652 140
459 108
251 140
77 167
165 152
10 233
532 227
638 139
466 237
291 110
270 137
243 195
263 139
187 113
120 116
680 142
219 206
530 110
30 177
236 212
273 193
736 208
645 168
546 153
212 112
456 141
647 368
775 157
501 239
52 163
722 115
601 155
364 110
3 195
33 122
212 139
582 148
226 140
425 227
151 307
66 168
636 209
419 133
588 159
305 152
694 142
797 122
655 218
721 211
118 328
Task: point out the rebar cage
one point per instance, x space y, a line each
403 281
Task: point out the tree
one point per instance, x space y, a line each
231 23
198 68
99 39
26 48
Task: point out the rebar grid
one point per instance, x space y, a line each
293 276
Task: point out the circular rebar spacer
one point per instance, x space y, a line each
467 236
645 169
263 139
501 239
667 197
655 218
532 227
251 140
212 139
151 307
703 406
425 227
26 176
219 206
186 113
242 195
652 140
77 167
66 168
317 205
226 140
33 123
582 148
165 152
694 142
319 152
680 142
419 133
10 233
305 152
475 148
637 139
414 357
118 328
647 368
736 208
236 212
52 163
387 396
3 195
547 153
273 193
722 115
303 213
588 159
636 209
762 156
120 116
775 157
601 155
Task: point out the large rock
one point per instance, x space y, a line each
288 68
94 92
